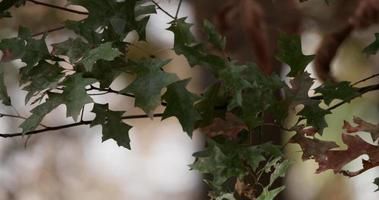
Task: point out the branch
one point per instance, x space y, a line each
81 123
163 10
58 7
49 31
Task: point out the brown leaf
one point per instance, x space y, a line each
337 159
7 55
230 127
362 126
312 148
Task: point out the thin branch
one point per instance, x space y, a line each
49 31
163 10
58 7
366 79
177 10
109 90
18 117
81 123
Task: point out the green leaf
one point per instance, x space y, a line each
150 81
43 76
234 83
180 104
182 32
112 125
270 194
75 95
103 52
290 52
315 116
376 182
341 90
281 169
213 36
39 112
3 89
74 49
373 48
107 71
213 98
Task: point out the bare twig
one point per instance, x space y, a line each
163 10
49 31
81 123
58 7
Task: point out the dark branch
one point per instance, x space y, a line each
49 31
81 123
58 7
163 10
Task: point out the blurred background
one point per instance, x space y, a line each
74 164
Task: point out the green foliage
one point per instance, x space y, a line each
373 48
232 111
290 52
111 122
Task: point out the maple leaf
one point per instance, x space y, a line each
362 126
74 49
180 104
213 36
290 52
102 52
75 95
315 116
43 76
312 147
230 127
300 86
337 159
112 125
150 81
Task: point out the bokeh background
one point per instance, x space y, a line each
74 164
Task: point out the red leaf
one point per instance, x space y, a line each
312 148
362 126
230 127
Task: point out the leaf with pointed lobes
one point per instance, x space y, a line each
230 127
291 53
362 126
180 104
341 90
299 88
112 125
337 159
102 52
312 147
75 94
150 81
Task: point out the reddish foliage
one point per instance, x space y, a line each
230 127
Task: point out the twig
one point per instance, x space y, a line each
163 10
177 10
366 79
58 7
49 31
81 123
